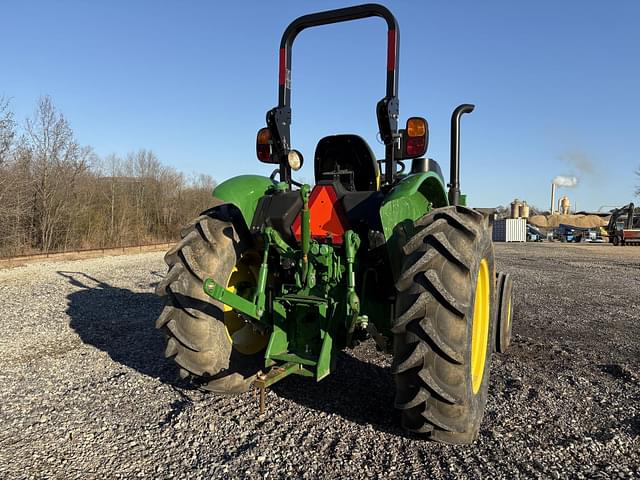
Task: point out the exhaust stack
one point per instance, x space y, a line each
454 180
553 197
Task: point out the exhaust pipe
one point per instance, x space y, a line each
454 181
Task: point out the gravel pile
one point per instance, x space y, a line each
581 221
86 392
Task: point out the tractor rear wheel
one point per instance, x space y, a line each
445 327
205 338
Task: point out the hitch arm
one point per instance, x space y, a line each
242 305
256 308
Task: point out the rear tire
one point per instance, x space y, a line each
442 340
198 339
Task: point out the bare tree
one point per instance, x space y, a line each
114 172
15 201
56 194
9 179
7 129
56 162
638 186
7 134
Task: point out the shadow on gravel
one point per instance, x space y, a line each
619 372
120 322
357 391
634 425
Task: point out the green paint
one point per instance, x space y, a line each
351 245
274 238
309 317
278 342
244 192
326 354
305 228
260 296
414 196
411 199
290 357
317 311
241 304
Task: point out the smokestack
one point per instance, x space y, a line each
561 181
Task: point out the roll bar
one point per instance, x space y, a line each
279 118
336 16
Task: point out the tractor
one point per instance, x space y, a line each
278 277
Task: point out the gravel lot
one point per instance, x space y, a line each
86 392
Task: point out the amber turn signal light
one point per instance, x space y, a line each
263 145
416 127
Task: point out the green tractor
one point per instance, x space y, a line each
277 277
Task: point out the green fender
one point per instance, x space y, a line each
244 192
413 197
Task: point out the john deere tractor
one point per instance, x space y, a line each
278 277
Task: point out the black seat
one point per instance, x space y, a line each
348 159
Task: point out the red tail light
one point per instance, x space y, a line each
416 142
415 146
328 219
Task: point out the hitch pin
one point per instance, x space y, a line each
260 392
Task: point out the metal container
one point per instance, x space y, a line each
564 205
510 230
524 210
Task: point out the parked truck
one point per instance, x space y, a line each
624 226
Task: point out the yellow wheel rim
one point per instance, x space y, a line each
240 334
508 313
480 326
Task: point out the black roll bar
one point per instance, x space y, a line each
279 118
336 16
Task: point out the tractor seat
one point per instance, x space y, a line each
349 160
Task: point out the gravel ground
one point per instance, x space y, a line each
86 392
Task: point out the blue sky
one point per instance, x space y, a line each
556 84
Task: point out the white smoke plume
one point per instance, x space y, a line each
562 181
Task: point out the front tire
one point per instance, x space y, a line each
445 329
504 313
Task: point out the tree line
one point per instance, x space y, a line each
58 195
